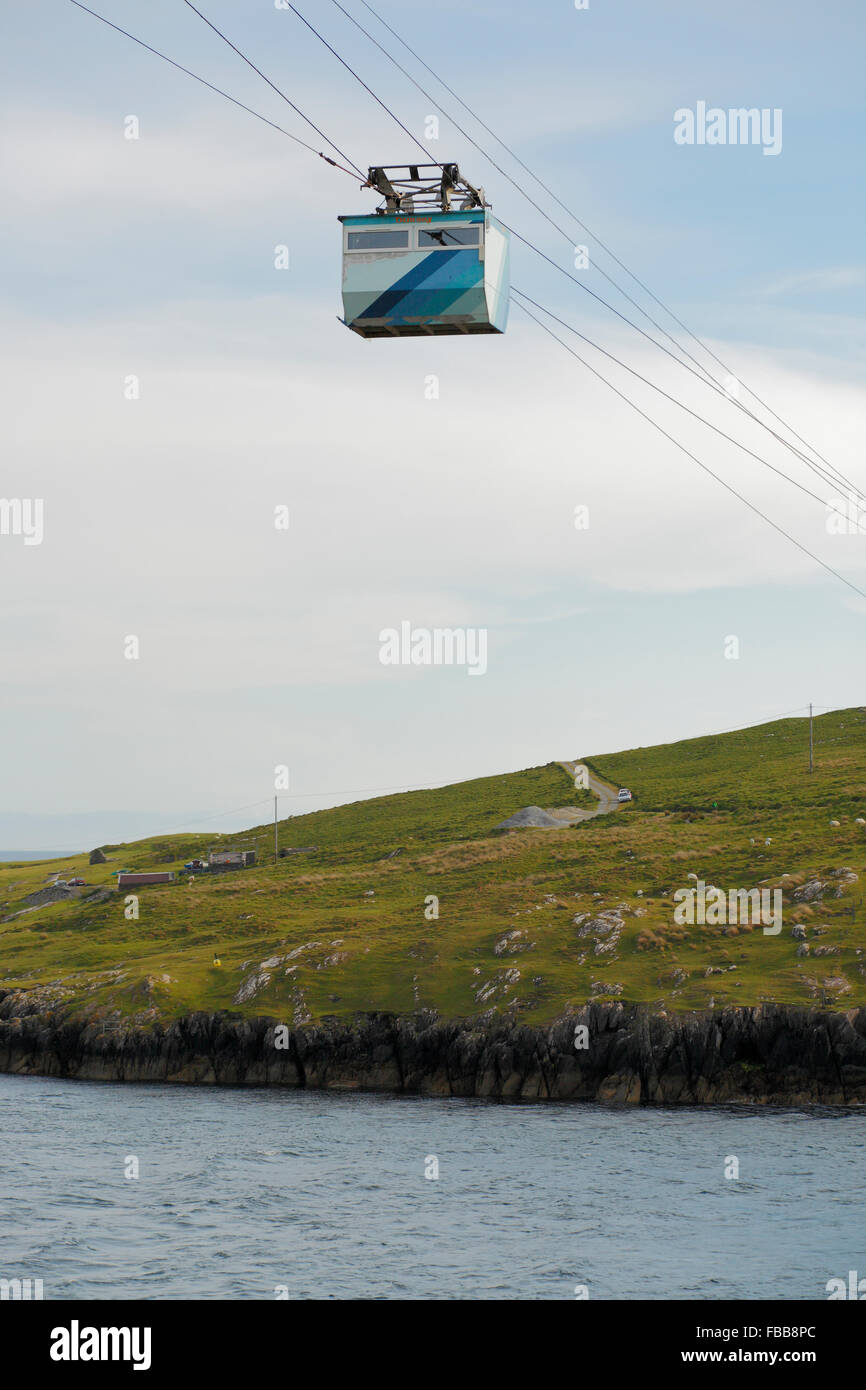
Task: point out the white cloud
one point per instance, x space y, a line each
485 479
259 647
819 281
207 162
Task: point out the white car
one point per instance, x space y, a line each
623 794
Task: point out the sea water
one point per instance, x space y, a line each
129 1191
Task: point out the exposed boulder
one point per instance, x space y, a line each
606 929
251 986
511 943
809 892
844 877
97 857
498 987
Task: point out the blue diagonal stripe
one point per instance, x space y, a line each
387 301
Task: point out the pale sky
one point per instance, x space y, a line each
155 258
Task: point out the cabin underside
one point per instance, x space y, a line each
382 328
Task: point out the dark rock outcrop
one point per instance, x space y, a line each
765 1055
97 857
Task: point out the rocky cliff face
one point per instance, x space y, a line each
767 1055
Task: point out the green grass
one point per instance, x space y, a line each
381 952
765 768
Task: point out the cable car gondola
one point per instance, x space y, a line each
417 265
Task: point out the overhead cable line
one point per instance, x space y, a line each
836 481
673 399
498 167
340 59
424 786
274 87
189 73
649 418
584 228
834 477
521 238
741 728
218 815
705 467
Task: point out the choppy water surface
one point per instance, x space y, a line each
243 1191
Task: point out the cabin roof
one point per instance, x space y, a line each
401 219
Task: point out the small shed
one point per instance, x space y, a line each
219 860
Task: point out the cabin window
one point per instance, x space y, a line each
374 240
469 234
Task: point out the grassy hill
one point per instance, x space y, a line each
342 928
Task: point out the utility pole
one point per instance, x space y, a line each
276 843
811 762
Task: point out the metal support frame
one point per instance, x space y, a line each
415 190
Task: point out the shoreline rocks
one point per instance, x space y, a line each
767 1055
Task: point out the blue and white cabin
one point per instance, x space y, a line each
409 271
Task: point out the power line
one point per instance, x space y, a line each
420 787
339 58
357 791
218 815
498 167
360 79
815 468
835 477
189 73
583 227
706 468
744 728
332 50
695 416
273 86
